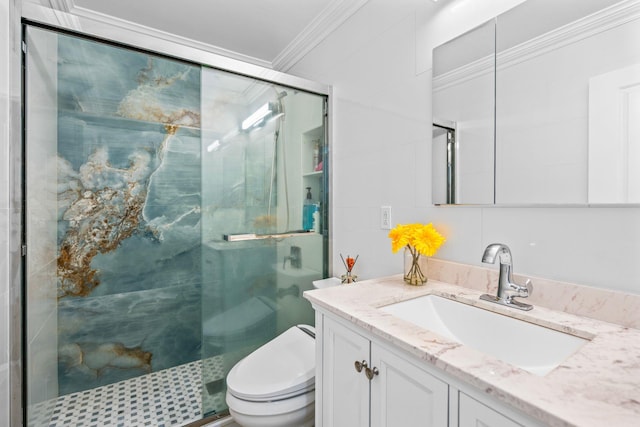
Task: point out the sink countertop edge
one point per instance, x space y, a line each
595 386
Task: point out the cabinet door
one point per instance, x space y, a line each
404 395
473 414
345 392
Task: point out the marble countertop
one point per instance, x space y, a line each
598 385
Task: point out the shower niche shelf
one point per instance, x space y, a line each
82 119
313 152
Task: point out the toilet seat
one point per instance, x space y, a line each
281 370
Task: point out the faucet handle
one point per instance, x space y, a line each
523 291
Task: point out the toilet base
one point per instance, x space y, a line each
298 411
270 421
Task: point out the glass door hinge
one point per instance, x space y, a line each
24 47
24 250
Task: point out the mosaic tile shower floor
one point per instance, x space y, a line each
171 397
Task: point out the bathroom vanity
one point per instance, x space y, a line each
375 368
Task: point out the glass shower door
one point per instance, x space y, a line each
112 147
164 227
262 147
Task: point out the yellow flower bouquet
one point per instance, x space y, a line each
417 239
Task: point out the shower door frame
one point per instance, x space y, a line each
29 13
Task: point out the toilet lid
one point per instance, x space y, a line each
283 367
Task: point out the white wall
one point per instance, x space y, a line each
379 63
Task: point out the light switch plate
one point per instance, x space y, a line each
385 217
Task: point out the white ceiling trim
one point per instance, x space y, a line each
603 20
65 19
466 72
70 6
590 25
331 17
61 5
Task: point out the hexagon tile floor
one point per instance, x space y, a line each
171 397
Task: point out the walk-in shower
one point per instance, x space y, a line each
163 221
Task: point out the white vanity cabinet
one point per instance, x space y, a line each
473 413
398 393
402 394
344 391
403 391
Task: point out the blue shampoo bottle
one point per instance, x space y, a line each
308 210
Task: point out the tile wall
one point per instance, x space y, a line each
379 63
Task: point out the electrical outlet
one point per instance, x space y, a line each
385 217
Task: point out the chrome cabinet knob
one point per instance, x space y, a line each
370 373
360 365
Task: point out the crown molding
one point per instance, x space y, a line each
65 19
466 72
591 25
61 5
70 7
603 20
331 17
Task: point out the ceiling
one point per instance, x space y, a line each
270 33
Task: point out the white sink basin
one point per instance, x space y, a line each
531 347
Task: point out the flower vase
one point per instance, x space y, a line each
415 267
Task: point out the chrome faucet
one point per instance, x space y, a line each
507 289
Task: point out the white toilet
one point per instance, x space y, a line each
275 385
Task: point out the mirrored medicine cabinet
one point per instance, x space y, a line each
540 106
